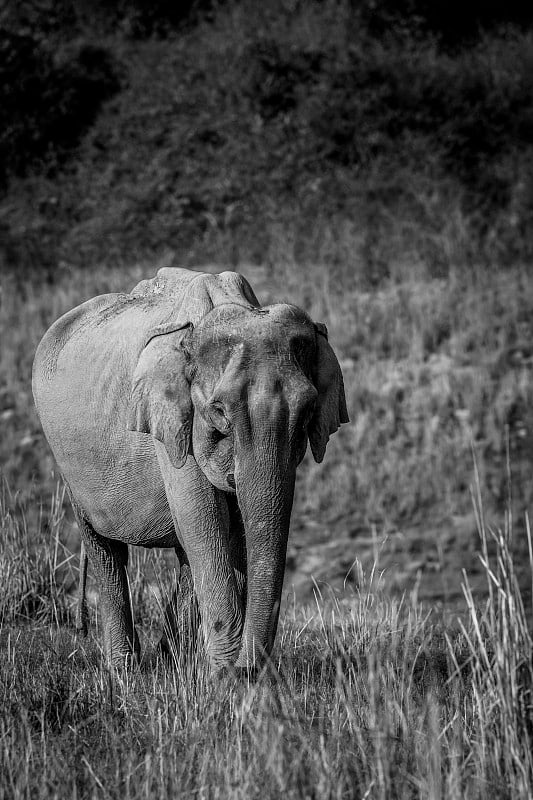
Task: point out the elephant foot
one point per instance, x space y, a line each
124 654
121 668
81 632
238 674
265 670
127 662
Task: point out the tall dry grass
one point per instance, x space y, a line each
36 567
366 696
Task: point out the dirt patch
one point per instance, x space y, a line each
428 561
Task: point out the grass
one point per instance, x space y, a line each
36 570
367 696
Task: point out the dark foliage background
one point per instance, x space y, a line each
48 102
210 128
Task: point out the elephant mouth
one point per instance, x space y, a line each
230 479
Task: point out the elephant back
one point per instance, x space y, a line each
193 294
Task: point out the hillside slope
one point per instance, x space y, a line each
327 129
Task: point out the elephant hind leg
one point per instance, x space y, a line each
109 561
182 617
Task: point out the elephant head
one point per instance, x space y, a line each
244 390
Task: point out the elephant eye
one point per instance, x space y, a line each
217 416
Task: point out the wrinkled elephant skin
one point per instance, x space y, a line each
178 415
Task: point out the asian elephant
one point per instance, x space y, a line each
178 414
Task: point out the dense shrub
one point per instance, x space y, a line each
452 22
139 18
47 103
147 17
247 128
333 116
276 80
469 109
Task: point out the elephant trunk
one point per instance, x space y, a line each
265 498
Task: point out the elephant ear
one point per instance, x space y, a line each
160 401
330 411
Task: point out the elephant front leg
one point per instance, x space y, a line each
109 560
201 517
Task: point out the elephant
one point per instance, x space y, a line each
178 414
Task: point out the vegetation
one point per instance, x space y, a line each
47 103
366 697
370 162
301 119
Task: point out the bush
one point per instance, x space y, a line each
452 22
261 121
71 18
468 109
148 17
46 104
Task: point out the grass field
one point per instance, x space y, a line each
367 696
401 677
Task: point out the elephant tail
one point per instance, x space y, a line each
81 611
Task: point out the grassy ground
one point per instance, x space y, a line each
437 373
366 696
